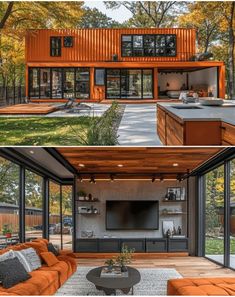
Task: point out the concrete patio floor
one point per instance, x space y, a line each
138 126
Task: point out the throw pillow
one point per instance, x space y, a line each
39 247
7 255
49 258
12 272
32 258
23 260
52 249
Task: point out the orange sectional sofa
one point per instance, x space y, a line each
201 287
46 280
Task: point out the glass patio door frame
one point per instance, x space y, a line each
201 249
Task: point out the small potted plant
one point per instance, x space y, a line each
110 263
82 195
7 230
124 258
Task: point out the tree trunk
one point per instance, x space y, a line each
231 83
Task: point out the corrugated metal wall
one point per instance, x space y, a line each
91 45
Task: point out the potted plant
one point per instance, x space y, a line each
81 195
110 263
124 258
7 230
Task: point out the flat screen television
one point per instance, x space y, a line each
132 215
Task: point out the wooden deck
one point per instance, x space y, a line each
108 101
32 109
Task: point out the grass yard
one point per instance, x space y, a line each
41 130
215 246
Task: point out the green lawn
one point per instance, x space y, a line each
42 131
215 246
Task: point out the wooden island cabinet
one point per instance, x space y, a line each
174 131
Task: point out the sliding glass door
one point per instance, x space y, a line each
129 83
214 214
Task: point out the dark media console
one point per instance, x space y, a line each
141 245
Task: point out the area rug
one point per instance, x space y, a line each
153 282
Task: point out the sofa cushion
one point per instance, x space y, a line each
62 269
71 262
49 258
23 260
38 284
32 258
12 272
39 247
7 255
52 249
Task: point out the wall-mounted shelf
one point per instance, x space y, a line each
88 213
88 201
174 201
173 213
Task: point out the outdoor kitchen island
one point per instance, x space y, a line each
195 124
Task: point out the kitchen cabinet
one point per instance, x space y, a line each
175 131
227 134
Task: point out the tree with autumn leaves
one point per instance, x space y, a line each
214 22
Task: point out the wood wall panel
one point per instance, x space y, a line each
100 44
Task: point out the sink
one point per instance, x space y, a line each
185 107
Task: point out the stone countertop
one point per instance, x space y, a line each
225 113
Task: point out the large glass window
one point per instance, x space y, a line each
55 214
56 83
232 213
33 82
68 82
149 45
129 83
33 205
45 79
214 214
67 217
82 83
9 202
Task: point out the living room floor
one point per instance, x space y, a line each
186 266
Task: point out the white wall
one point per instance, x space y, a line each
206 76
126 190
175 80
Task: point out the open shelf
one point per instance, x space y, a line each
173 201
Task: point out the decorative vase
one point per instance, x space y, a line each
123 268
8 235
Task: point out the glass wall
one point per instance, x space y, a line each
54 214
9 201
33 205
67 217
232 214
45 79
59 83
34 83
56 83
214 214
129 83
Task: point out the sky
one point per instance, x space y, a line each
120 15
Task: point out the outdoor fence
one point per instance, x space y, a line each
12 95
30 220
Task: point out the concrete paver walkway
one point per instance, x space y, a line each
138 126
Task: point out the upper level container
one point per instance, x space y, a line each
106 45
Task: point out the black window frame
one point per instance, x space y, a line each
71 41
55 48
144 36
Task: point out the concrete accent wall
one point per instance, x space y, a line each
127 190
206 76
175 80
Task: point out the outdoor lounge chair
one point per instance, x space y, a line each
69 104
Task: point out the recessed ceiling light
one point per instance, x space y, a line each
31 152
81 165
175 164
120 165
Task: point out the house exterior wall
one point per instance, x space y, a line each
96 45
